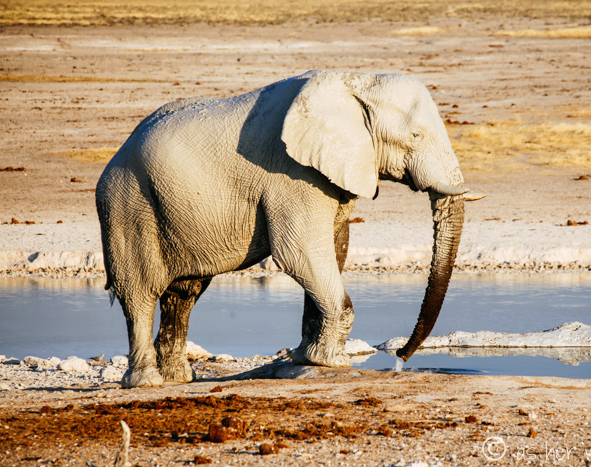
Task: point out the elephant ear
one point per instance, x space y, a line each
326 128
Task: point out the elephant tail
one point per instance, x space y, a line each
110 288
112 293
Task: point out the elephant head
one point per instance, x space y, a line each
357 129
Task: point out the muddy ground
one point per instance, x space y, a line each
513 88
340 417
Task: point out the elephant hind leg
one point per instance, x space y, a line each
171 343
143 369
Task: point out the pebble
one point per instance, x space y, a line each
23 376
75 371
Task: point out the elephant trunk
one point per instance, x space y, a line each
448 219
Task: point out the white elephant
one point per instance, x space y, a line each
205 186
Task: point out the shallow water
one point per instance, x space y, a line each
247 316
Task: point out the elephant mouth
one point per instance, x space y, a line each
408 181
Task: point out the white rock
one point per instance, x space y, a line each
568 335
54 361
74 365
2 358
110 373
32 361
36 362
196 351
358 347
4 387
223 357
119 360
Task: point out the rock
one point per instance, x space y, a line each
36 362
74 365
11 361
110 373
196 352
4 387
568 335
223 357
119 360
354 347
54 361
2 358
32 361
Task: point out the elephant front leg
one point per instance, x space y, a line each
143 370
171 343
324 337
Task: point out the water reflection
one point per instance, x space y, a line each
246 316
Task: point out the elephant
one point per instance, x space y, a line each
204 186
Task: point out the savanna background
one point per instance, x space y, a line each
511 78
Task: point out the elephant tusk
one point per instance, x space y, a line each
448 190
474 196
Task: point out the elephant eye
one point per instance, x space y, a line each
416 135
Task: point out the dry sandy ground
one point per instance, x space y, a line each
515 92
517 101
338 417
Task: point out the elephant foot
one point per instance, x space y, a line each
144 378
176 370
314 355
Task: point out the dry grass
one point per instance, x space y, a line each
70 79
416 31
582 112
511 145
106 12
564 33
99 155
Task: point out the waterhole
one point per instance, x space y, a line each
248 316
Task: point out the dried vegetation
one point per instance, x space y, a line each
570 33
513 144
109 12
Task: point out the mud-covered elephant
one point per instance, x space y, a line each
205 186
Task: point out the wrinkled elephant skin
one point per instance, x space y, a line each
204 186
